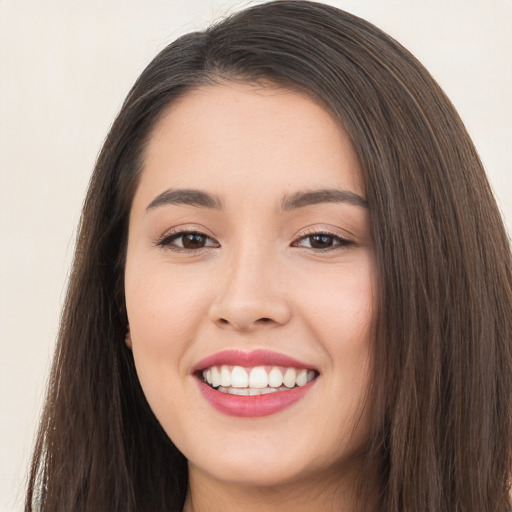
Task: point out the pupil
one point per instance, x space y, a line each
321 241
193 241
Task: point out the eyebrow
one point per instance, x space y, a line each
190 197
198 198
329 195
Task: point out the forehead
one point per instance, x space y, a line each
248 139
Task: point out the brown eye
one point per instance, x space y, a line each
187 241
321 241
193 241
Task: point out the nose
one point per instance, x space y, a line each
251 295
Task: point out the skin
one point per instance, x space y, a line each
258 282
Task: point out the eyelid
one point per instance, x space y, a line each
164 241
344 242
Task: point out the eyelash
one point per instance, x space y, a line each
168 238
340 242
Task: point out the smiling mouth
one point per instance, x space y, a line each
257 380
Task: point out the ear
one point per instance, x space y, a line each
128 337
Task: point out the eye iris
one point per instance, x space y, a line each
321 241
193 241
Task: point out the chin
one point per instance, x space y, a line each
275 464
270 472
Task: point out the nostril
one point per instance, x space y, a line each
260 321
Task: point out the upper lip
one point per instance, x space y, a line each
250 359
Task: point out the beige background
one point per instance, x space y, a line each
65 67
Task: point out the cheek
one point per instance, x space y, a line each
342 308
342 317
163 306
164 310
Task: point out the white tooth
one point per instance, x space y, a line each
275 378
311 375
215 377
222 390
258 378
209 376
302 377
290 377
204 375
263 391
238 391
239 377
225 376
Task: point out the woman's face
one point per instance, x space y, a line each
250 265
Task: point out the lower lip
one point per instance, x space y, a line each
251 406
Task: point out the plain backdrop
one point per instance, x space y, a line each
65 68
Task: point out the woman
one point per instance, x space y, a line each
288 208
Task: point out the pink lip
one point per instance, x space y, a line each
251 406
249 359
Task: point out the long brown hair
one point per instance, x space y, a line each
442 383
